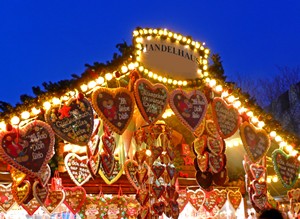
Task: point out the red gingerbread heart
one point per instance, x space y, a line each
257 171
53 201
142 175
29 148
216 162
204 179
21 192
6 197
203 161
40 192
74 198
158 170
109 144
199 145
158 190
151 99
210 201
142 196
259 187
196 198
215 145
114 106
158 208
234 198
221 197
31 207
131 168
108 163
190 107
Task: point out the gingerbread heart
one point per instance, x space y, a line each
21 192
210 201
158 208
31 207
40 192
108 163
171 170
94 143
77 168
158 170
286 167
114 106
226 117
140 156
142 175
190 107
260 201
216 162
199 131
6 198
171 192
211 128
142 196
170 152
256 141
109 144
131 168
17 176
74 198
53 200
196 198
182 199
215 145
259 187
174 206
221 177
158 190
204 179
93 164
199 145
29 148
235 198
151 99
156 152
294 194
257 171
73 121
45 175
221 197
202 161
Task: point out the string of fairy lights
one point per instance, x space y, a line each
217 86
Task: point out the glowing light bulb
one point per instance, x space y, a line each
84 88
155 76
141 68
2 125
254 119
282 144
15 120
108 76
273 134
249 113
289 148
150 74
92 84
184 83
261 124
124 69
47 105
131 66
269 180
100 80
212 83
180 83
170 81
135 33
278 138
25 115
294 153
35 111
275 179
165 80
237 104
231 99
175 82
148 153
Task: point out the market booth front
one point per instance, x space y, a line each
156 132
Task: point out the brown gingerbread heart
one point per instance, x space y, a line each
108 163
131 168
6 198
196 198
109 144
235 198
158 170
158 190
21 192
204 179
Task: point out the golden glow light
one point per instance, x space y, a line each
108 76
275 179
273 134
35 111
15 120
92 84
124 69
2 125
218 88
25 115
278 138
100 80
55 100
47 105
84 88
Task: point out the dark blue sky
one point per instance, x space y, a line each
50 40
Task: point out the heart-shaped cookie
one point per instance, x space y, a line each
190 107
210 201
151 99
215 145
29 148
259 187
21 192
199 131
211 128
202 161
174 206
131 168
53 200
108 163
221 177
93 164
235 198
6 197
140 156
142 196
182 199
77 168
286 167
93 144
171 170
158 190
144 212
74 198
226 117
216 162
171 192
221 197
158 170
72 121
170 152
204 179
114 106
31 207
40 192
260 201
257 171
158 208
142 175
199 145
256 141
294 194
109 144
45 175
196 198
17 176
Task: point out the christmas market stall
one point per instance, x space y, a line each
154 133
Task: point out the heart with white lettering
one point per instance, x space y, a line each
256 141
190 107
40 192
53 200
216 162
210 201
199 145
158 190
108 163
211 128
109 144
131 168
151 99
93 164
196 198
72 121
6 198
226 117
257 171
17 176
21 192
31 207
260 201
29 148
202 161
215 145
221 197
204 179
259 187
114 106
158 170
77 168
286 167
75 198
234 198
182 199
158 208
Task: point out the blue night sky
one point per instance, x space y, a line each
44 41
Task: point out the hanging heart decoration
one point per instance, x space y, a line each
171 193
216 162
196 198
114 106
6 198
182 199
190 107
174 206
199 131
151 99
17 176
221 177
144 212
53 201
45 175
286 167
21 192
260 201
93 144
131 168
200 144
142 175
109 143
171 170
132 207
210 201
142 196
204 179
159 208
158 170
93 164
29 148
256 141
140 156
221 197
77 168
259 187
170 152
215 145
31 207
158 191
203 161
294 194
226 117
74 198
110 168
234 198
257 171
211 128
108 163
40 192
73 121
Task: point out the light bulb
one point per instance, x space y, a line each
15 120
100 80
47 105
25 115
84 88
108 76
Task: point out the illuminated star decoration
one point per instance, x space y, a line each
64 112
